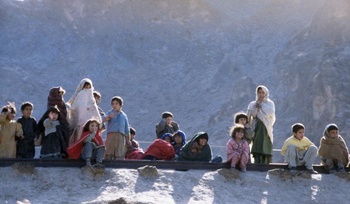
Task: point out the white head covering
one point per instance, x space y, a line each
79 88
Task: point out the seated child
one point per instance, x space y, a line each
133 148
204 151
167 137
179 140
10 130
195 149
298 150
160 150
238 148
90 144
333 150
25 147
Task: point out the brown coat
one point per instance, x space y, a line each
333 148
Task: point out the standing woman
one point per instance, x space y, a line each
261 114
81 107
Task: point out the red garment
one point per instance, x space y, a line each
75 149
161 149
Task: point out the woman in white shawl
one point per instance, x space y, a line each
261 114
81 107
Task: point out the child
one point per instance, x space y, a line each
204 150
10 130
82 107
97 97
117 130
298 150
55 98
53 143
25 147
179 140
167 137
242 118
333 150
160 150
90 145
166 125
133 149
237 148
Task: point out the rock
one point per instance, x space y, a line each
148 171
24 168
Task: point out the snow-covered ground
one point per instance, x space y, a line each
79 185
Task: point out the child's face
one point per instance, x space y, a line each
87 86
169 120
132 136
178 139
239 134
27 112
261 95
97 100
93 127
242 121
168 139
11 116
194 150
116 106
300 134
333 133
202 142
53 116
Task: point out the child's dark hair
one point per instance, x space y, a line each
236 128
53 109
97 94
297 126
132 131
118 99
240 115
87 124
25 104
8 109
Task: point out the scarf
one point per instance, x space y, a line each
333 148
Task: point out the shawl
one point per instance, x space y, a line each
267 112
205 154
333 148
79 88
75 149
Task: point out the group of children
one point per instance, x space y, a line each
73 130
297 150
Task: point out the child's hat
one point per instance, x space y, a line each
167 114
331 127
165 135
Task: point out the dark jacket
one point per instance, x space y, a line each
204 155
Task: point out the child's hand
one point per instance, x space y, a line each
95 129
111 115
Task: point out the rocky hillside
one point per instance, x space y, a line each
200 60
